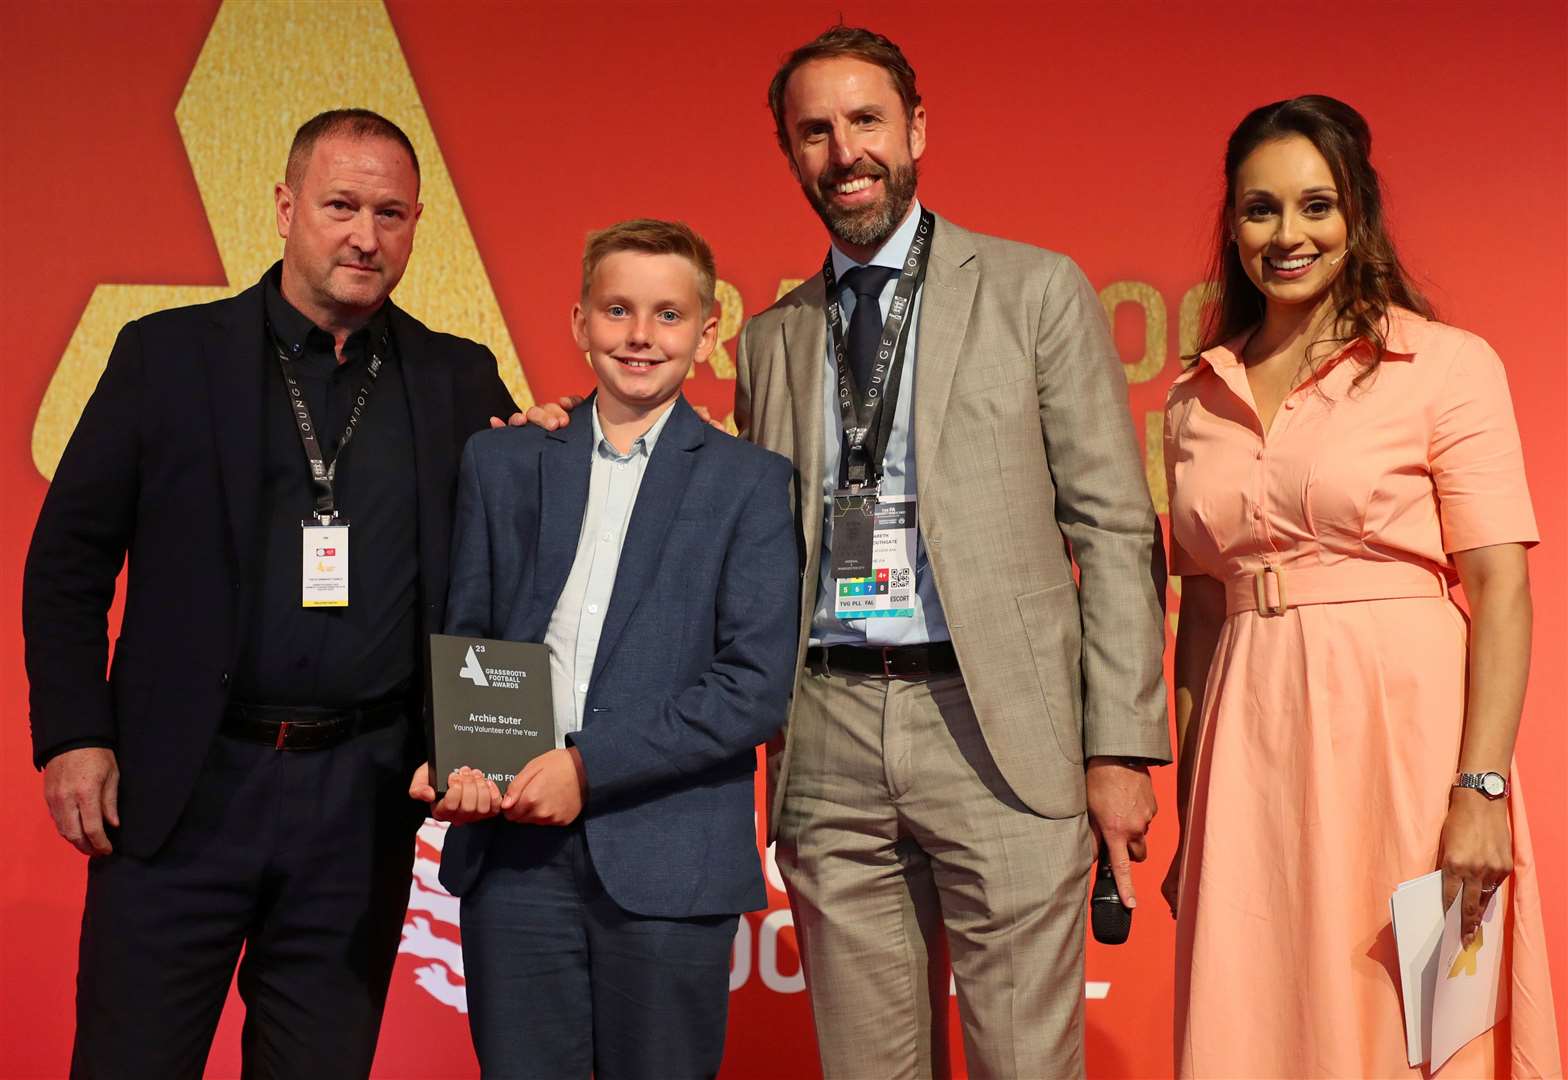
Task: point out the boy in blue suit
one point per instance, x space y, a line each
657 558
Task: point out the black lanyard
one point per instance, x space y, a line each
322 475
861 414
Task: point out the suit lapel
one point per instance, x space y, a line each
805 350
236 364
564 465
945 303
428 385
658 499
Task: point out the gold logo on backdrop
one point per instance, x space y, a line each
259 76
1156 327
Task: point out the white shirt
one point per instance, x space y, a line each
578 619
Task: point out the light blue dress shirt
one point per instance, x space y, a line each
578 619
898 478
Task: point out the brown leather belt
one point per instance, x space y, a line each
884 661
306 727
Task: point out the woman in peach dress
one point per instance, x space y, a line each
1337 463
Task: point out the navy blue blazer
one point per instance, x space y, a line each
695 664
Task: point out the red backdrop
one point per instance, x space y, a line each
1094 130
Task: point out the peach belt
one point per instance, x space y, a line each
1273 589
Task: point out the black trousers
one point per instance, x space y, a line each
299 858
564 984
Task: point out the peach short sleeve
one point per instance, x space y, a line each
1476 460
1181 563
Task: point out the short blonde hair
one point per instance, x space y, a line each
654 237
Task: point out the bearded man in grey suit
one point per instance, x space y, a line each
966 717
929 795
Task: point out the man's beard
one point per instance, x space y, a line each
866 226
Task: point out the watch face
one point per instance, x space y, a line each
1493 785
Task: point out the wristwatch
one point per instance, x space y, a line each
1491 784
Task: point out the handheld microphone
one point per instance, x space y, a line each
1108 917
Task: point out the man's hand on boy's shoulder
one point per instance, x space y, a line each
557 414
550 790
549 415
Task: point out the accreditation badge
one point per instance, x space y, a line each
854 523
324 563
887 590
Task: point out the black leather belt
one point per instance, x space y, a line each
305 727
884 661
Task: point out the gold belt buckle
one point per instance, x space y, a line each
1260 590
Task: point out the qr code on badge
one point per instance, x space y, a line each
899 578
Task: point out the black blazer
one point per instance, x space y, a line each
165 467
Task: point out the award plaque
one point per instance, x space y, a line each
490 706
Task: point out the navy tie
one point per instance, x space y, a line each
865 326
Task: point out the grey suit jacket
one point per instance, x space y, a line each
1026 463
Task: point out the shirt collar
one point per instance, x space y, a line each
642 445
294 329
890 254
1401 332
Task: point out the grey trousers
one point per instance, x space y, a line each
901 846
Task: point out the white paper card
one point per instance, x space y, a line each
1469 998
1417 910
324 565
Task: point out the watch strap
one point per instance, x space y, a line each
1476 781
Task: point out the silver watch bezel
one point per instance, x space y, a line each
1492 784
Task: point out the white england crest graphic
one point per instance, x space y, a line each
430 929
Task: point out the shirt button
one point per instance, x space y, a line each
582 688
593 609
605 538
1260 453
1290 404
1257 512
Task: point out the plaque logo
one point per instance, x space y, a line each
471 669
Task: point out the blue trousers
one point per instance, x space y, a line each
563 983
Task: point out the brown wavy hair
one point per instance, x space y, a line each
1371 282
